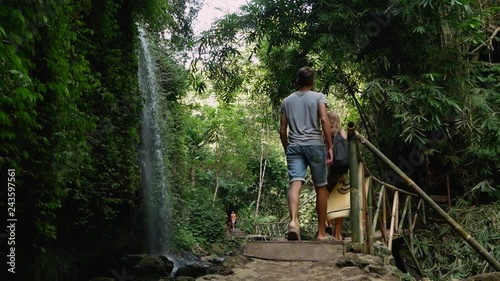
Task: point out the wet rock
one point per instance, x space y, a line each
218 260
187 256
213 260
216 250
169 265
193 269
131 260
185 278
154 278
150 265
234 261
219 269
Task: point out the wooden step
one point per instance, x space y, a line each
237 232
295 250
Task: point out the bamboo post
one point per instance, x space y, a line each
410 234
353 174
369 240
362 201
393 218
424 219
464 234
383 225
383 231
405 208
377 211
396 225
370 201
448 188
416 214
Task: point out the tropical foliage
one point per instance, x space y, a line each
423 76
420 78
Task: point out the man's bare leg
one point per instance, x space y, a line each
321 208
293 203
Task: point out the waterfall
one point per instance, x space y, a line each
155 207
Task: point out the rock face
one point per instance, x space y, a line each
367 263
381 250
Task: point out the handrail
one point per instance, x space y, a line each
353 136
393 187
363 225
356 212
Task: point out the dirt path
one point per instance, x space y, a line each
265 270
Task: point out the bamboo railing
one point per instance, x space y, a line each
363 224
365 218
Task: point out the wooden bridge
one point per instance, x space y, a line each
379 211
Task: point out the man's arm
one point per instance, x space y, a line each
283 134
326 127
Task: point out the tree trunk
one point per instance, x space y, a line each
262 173
216 187
193 176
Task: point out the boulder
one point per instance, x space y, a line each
150 265
216 250
185 278
213 260
358 260
236 261
381 250
131 260
193 269
169 264
154 278
217 260
380 270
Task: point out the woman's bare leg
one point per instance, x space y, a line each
338 228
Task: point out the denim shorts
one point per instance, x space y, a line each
299 157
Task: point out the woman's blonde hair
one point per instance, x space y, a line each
335 122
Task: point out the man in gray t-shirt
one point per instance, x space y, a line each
304 114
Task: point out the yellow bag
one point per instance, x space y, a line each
339 200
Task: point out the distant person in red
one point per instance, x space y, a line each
233 220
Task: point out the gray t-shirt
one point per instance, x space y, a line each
302 116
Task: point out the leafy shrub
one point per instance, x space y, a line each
446 256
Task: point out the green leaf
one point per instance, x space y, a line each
26 94
4 119
2 32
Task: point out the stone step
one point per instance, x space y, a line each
295 250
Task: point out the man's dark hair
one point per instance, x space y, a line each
305 76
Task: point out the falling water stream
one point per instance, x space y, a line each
158 231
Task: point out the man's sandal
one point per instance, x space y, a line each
293 235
